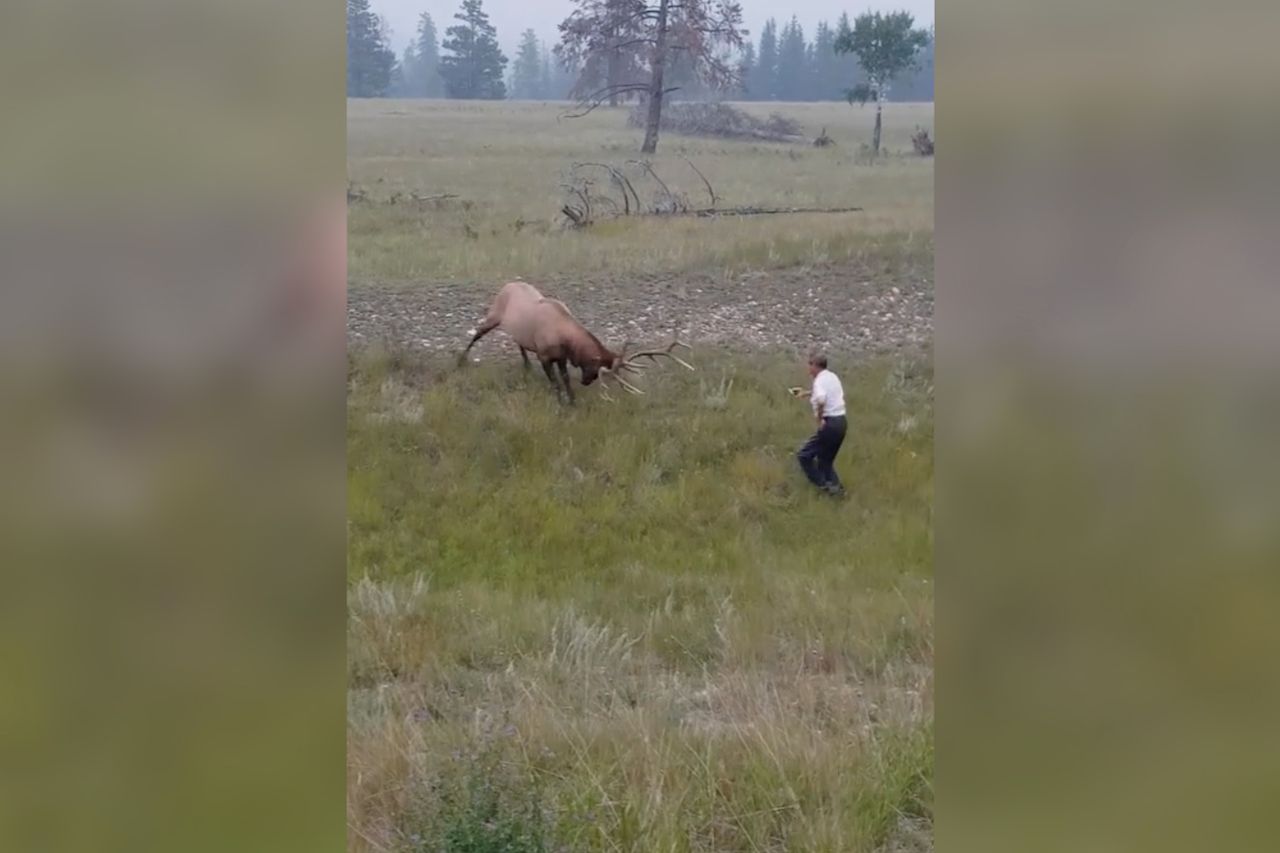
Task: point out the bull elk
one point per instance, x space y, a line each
547 328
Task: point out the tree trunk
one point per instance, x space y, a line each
875 134
655 84
613 71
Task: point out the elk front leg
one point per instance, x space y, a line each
551 377
524 353
564 376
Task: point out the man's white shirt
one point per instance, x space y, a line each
828 393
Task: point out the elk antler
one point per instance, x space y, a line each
630 362
607 373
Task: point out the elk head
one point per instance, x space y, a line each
626 362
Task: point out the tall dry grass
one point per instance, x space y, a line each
507 162
633 626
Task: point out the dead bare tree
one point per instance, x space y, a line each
600 40
656 30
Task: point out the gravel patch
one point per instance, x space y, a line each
843 307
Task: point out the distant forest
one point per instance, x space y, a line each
782 63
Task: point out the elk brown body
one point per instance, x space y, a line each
547 328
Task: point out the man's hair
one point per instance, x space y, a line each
818 359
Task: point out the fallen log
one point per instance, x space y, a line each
764 211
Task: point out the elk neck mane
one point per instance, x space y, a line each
583 345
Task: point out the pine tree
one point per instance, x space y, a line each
546 92
747 69
425 81
792 65
526 71
402 77
474 65
849 72
918 85
828 80
763 85
369 61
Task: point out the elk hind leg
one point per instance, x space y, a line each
486 326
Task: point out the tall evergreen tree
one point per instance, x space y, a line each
545 85
369 61
918 85
425 81
474 64
847 66
526 71
747 69
828 80
401 77
763 85
792 64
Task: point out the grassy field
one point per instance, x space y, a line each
506 162
632 625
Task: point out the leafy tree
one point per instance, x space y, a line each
886 45
763 84
526 71
474 65
369 61
700 30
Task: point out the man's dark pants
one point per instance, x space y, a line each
818 455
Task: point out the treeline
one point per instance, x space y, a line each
786 66
782 65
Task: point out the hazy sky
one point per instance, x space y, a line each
513 17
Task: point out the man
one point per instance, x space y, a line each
818 455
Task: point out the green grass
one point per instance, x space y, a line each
633 625
507 162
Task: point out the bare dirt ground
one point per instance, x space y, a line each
848 307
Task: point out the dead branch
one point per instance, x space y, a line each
619 180
922 143
675 205
588 103
710 191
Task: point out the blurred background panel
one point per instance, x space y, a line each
172 246
1108 356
